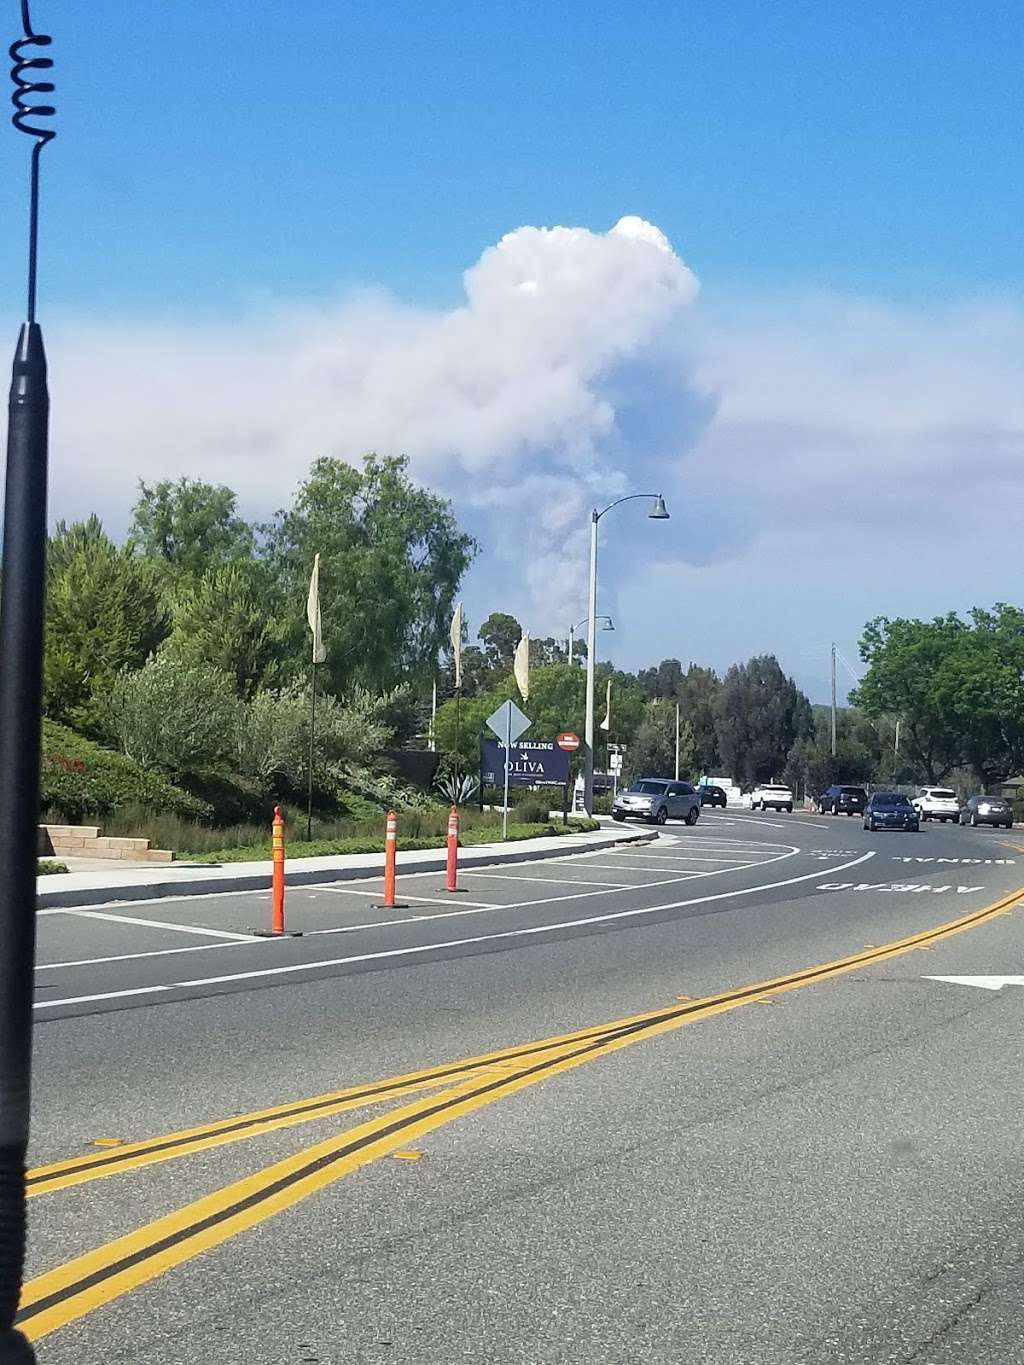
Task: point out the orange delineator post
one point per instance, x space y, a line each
390 852
453 852
277 851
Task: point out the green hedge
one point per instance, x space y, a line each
47 866
324 848
80 778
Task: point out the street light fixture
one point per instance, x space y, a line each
658 512
609 624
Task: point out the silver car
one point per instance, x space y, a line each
655 799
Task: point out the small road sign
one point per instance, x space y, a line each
568 741
508 722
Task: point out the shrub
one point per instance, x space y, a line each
176 715
534 811
46 867
80 778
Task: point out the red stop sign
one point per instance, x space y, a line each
568 741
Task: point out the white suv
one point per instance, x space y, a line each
771 797
936 803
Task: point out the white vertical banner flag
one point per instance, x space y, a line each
521 667
313 613
455 635
606 724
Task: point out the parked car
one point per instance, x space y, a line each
891 810
656 799
843 801
987 810
771 796
937 803
711 795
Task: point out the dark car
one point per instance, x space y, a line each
711 796
891 810
657 798
987 810
843 801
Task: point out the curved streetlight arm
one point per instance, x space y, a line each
596 515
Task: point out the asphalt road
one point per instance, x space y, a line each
824 1168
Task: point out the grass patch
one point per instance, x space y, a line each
46 867
483 833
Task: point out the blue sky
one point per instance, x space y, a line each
208 150
855 166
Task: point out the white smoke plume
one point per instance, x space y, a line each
796 438
503 403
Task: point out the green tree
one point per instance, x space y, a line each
905 659
391 560
103 614
189 526
861 753
230 618
759 715
663 683
653 751
698 696
500 634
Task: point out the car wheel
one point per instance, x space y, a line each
790 809
1009 824
692 815
662 816
849 813
617 815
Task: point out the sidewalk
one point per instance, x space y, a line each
157 880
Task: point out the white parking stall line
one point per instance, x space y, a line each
690 858
344 890
136 957
416 950
672 867
153 924
557 881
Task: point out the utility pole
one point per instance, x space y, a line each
833 699
677 741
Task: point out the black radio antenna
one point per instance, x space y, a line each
22 616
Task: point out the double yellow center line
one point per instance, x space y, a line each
71 1290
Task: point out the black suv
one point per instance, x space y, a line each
711 795
843 801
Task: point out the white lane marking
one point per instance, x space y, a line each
555 881
985 983
744 820
702 857
419 949
344 890
153 924
135 957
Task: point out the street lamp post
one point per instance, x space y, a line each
21 665
609 624
658 512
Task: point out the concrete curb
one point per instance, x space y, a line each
427 860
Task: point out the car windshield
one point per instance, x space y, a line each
649 788
942 794
851 791
889 800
